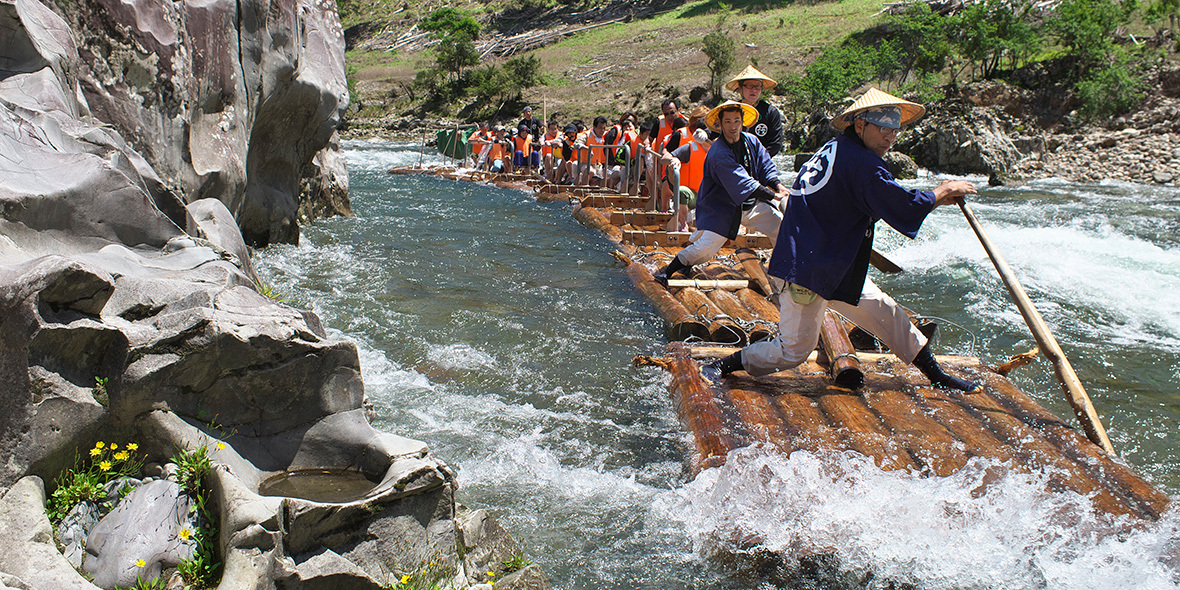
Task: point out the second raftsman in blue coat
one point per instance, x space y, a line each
725 184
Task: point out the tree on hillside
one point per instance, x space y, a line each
995 30
719 47
456 34
1085 28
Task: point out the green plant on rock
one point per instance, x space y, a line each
192 467
86 479
432 575
99 391
517 562
203 569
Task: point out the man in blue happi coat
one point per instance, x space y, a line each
739 186
826 238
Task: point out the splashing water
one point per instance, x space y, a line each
500 331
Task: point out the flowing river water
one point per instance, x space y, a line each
500 331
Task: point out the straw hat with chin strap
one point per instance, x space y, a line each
750 73
910 111
713 119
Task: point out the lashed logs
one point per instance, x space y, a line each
759 306
842 356
681 323
753 267
732 306
721 327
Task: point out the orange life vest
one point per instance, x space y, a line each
479 147
524 144
546 149
597 155
662 132
497 152
692 172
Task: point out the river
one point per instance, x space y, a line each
500 331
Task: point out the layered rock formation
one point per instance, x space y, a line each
129 309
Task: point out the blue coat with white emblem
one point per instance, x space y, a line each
827 232
726 184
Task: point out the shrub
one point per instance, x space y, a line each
1116 88
719 47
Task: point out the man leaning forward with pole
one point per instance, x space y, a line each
823 246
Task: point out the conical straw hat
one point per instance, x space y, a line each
699 111
749 115
750 73
910 111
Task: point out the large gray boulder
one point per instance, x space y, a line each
236 101
143 529
959 138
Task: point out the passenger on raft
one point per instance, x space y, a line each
823 248
550 151
739 186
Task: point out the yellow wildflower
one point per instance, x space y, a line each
140 563
121 456
491 574
105 466
405 579
114 446
95 452
220 446
132 447
99 445
185 533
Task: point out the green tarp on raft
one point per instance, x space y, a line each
454 147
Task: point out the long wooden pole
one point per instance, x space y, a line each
1075 394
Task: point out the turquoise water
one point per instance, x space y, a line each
500 331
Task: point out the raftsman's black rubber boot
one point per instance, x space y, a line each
929 367
673 267
714 371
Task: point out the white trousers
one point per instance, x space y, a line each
798 330
763 218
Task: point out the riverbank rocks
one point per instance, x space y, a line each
228 100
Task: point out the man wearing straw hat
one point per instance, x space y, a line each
823 247
739 183
750 84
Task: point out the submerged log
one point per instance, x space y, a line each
753 267
721 327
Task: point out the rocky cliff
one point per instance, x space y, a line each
135 139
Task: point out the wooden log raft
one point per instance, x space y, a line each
845 367
753 267
593 218
901 422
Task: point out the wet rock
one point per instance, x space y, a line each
529 578
900 165
1162 177
144 528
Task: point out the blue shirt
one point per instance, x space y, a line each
726 184
827 231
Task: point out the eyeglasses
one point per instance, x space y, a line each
888 130
752 86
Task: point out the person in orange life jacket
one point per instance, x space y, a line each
684 178
750 84
643 148
598 164
535 129
522 143
676 139
739 185
827 236
663 127
497 152
478 140
570 155
622 133
550 151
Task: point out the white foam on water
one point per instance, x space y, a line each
378 155
459 356
1127 284
987 526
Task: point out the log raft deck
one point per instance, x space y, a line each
895 417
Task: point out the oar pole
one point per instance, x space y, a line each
1075 394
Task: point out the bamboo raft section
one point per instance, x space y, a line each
842 398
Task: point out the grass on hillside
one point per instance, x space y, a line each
648 58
